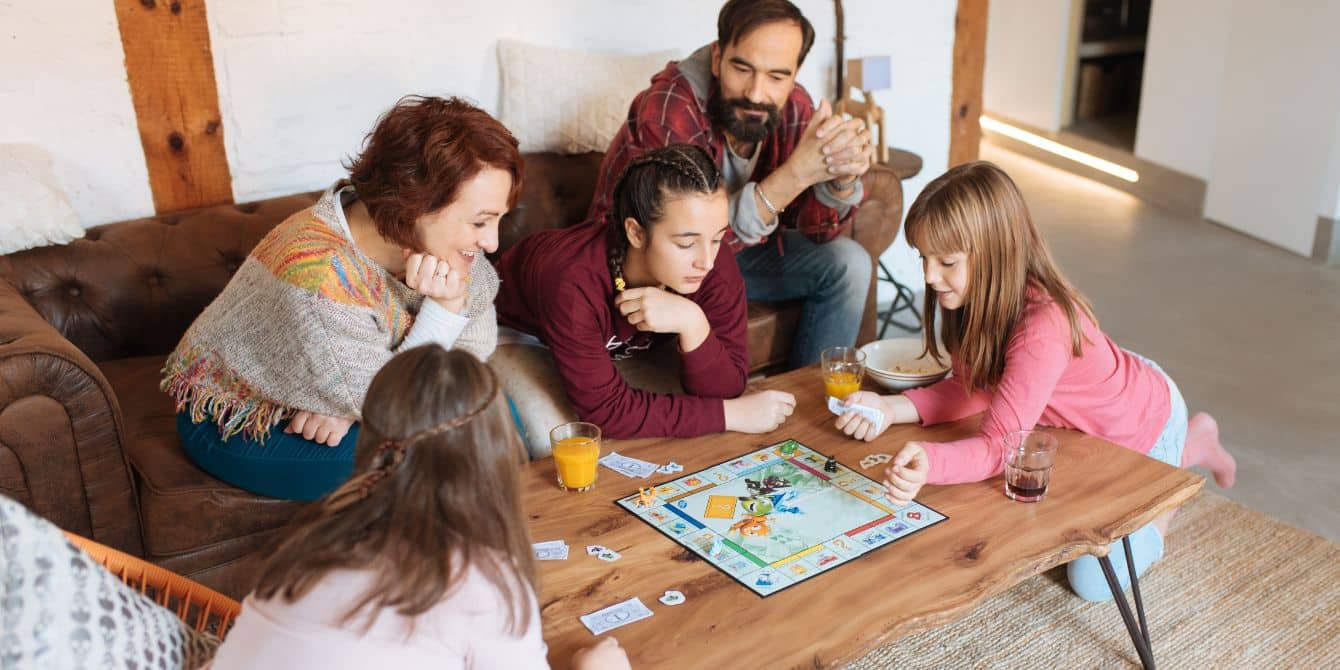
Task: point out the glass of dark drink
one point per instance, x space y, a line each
1029 456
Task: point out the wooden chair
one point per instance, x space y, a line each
872 114
200 607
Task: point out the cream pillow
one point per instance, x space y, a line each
33 208
570 101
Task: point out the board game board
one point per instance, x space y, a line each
773 518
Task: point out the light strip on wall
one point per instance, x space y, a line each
1060 149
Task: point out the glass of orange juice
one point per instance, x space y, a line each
843 368
576 448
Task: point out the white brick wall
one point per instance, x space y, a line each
63 88
301 81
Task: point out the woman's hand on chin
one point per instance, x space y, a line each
437 279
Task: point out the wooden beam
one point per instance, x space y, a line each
965 133
171 75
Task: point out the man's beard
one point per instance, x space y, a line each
747 129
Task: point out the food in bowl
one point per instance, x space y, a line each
917 370
898 364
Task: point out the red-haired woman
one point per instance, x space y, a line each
388 259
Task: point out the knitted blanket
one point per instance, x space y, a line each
304 324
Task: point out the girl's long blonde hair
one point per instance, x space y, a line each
977 209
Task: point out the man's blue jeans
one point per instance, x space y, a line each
832 278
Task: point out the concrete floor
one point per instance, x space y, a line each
1251 333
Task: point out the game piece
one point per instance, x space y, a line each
717 548
788 448
646 497
621 614
774 522
672 598
831 464
872 460
720 507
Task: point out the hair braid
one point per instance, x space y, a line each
640 194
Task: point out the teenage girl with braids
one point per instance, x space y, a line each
653 270
421 559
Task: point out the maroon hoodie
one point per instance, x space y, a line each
556 286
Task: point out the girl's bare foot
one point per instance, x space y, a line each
1203 450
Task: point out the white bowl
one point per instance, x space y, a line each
903 384
897 363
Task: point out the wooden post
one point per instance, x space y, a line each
965 133
171 75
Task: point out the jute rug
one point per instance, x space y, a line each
1235 589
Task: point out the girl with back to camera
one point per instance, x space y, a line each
422 558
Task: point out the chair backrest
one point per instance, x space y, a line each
200 607
872 114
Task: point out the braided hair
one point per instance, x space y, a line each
643 187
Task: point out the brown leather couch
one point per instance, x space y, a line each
88 440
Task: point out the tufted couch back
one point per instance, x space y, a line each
133 288
92 444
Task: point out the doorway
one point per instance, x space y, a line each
1109 63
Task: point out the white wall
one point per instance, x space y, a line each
63 89
291 109
1184 73
1330 196
920 38
302 81
1027 46
1276 131
1244 95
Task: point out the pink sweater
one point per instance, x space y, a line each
1107 392
466 630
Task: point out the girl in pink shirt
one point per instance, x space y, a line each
422 558
1025 349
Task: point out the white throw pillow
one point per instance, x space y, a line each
33 209
570 101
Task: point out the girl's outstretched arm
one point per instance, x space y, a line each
1037 354
895 408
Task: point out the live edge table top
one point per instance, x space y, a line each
1100 492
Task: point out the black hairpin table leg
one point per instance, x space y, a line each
1140 633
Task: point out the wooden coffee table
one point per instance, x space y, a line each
1100 492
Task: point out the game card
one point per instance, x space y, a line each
621 614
